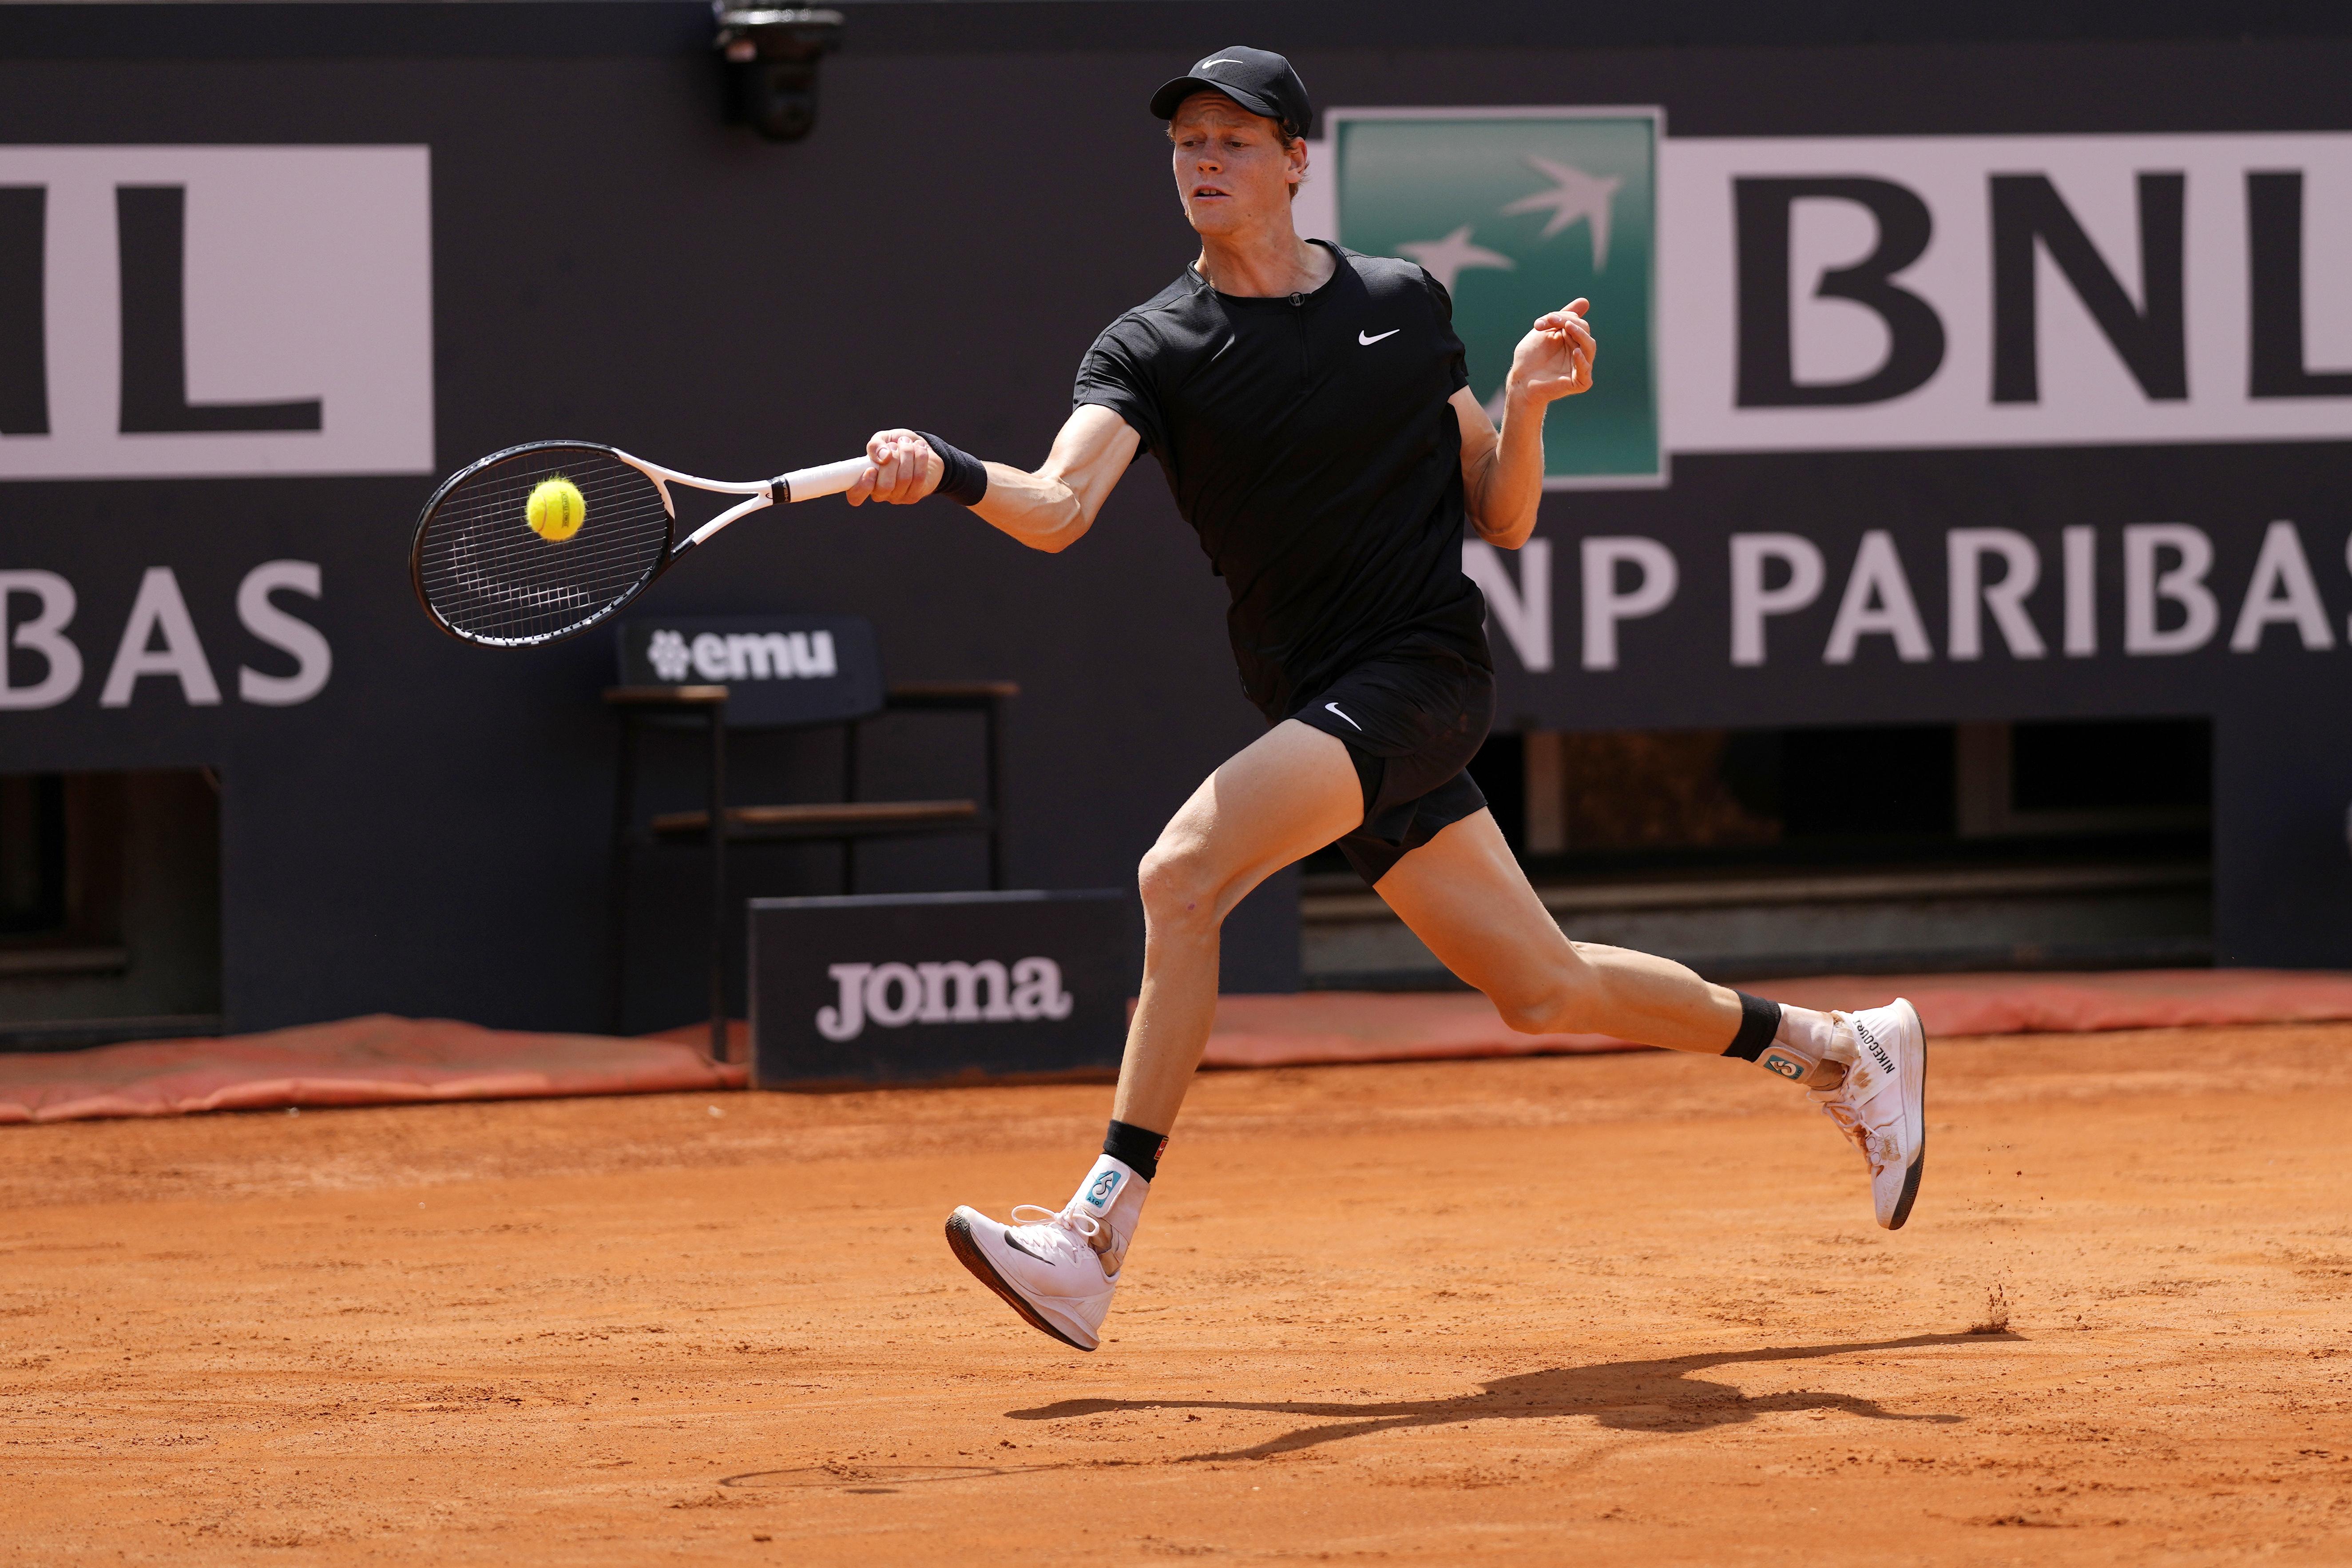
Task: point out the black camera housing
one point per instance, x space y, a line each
769 59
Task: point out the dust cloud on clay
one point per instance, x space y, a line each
1622 1309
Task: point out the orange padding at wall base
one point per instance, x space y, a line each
376 1060
1369 1026
384 1060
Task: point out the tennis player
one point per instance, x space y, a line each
1310 408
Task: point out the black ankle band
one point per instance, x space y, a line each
1758 1021
1136 1148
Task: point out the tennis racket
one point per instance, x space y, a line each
485 576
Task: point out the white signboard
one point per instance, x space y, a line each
1853 293
181 311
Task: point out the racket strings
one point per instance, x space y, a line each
491 578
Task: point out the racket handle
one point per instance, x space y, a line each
827 479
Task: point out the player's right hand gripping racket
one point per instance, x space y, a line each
487 575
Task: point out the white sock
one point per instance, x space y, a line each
1112 1195
1812 1048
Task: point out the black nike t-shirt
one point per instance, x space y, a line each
1309 443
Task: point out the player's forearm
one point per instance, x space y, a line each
1040 510
1503 511
1052 508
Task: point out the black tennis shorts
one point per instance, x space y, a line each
1412 721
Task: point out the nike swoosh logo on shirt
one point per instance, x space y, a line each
1334 707
1369 341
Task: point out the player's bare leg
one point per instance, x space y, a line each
1283 797
1280 799
1464 895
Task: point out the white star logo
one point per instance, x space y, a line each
1574 195
1448 258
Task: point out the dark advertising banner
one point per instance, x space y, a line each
1939 382
1946 427
921 987
2093 472
778 670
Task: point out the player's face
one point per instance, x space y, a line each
1231 171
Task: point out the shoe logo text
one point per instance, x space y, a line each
1876 1049
896 994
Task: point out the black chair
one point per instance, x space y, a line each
792 672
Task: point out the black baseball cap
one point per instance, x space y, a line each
1258 80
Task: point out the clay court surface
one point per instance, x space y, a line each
1626 1309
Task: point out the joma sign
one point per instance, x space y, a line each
897 994
951 999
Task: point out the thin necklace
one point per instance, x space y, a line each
1304 277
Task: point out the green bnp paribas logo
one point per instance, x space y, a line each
1517 212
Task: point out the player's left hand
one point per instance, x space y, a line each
900 469
1555 359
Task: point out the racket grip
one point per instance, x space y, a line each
827 479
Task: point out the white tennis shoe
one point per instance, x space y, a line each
1883 1103
1046 1267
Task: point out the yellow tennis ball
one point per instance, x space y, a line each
556 509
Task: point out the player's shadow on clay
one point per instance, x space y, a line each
1629 1395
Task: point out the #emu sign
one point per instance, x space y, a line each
915 987
778 670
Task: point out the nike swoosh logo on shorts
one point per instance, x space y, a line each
1334 707
1369 341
